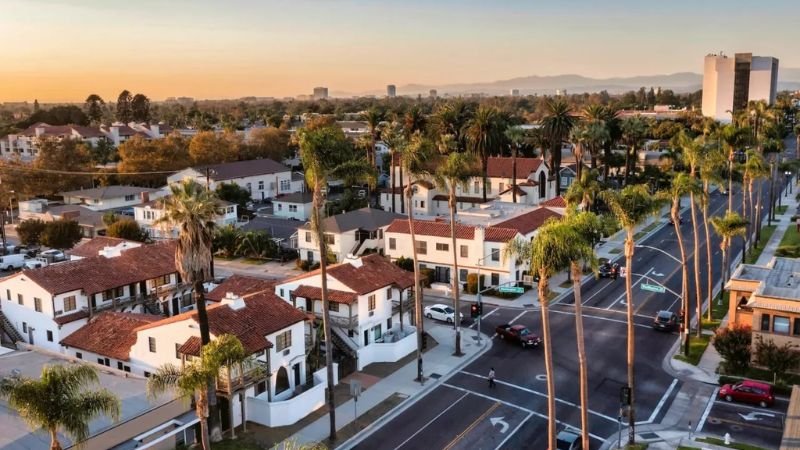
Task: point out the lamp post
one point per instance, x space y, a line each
11 206
788 182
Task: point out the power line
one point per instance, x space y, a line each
67 172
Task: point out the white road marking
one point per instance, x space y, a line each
475 324
539 415
598 291
432 420
514 431
752 408
531 391
710 405
589 316
516 318
662 401
641 277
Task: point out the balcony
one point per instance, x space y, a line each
254 372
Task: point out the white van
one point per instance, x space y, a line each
11 262
36 263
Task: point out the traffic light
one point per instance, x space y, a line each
473 310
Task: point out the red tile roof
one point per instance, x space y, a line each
72 317
240 286
191 347
497 233
500 167
93 246
528 222
315 293
376 272
109 334
528 183
555 202
98 273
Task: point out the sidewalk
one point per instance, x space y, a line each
783 222
438 364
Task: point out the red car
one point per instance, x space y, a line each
748 392
518 334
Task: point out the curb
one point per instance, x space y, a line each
401 408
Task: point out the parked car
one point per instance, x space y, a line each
11 262
36 263
568 440
665 321
748 391
31 251
442 312
8 249
518 334
53 255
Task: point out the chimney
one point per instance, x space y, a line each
145 196
480 233
154 130
234 302
39 131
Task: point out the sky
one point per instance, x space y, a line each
64 50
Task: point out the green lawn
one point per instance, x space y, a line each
697 346
646 230
637 446
790 237
781 209
736 445
755 251
718 312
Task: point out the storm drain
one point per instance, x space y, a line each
435 376
649 436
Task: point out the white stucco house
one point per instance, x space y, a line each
148 214
263 178
111 197
25 144
349 234
295 206
365 297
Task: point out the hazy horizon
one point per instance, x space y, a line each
67 49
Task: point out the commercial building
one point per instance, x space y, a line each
433 93
320 93
514 92
391 90
729 83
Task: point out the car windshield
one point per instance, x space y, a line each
448 310
664 316
524 332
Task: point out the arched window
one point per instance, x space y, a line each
281 381
542 185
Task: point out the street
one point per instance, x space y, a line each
746 423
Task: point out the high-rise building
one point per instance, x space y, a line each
391 90
729 83
432 93
320 93
515 92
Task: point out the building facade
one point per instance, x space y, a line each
729 83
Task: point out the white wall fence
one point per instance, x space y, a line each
288 412
388 351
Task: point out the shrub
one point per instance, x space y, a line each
790 251
302 264
126 229
472 283
61 234
733 344
779 359
404 263
426 277
30 231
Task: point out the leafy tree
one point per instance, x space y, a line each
94 108
124 108
60 401
103 152
779 359
257 245
733 344
68 155
207 147
232 192
61 234
127 229
271 143
226 241
35 105
30 231
57 115
140 155
140 108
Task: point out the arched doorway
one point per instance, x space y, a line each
281 380
542 186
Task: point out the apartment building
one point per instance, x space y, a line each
263 178
148 215
729 83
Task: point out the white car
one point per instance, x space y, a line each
53 255
441 312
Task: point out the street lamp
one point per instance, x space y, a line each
788 181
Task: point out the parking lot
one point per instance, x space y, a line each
762 427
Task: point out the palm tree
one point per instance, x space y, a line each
631 206
727 228
730 137
373 117
485 134
225 241
412 158
59 401
257 245
193 209
714 159
395 138
452 118
516 138
191 380
326 153
633 131
584 190
455 170
579 137
556 126
581 252
760 112
755 168
414 121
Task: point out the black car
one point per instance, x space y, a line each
665 321
608 270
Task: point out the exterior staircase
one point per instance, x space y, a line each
8 329
343 342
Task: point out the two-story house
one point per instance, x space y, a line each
263 178
25 144
296 205
349 234
366 297
111 197
767 298
47 304
148 214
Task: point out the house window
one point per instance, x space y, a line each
371 302
177 353
308 237
495 279
780 325
130 198
8 294
79 355
495 254
249 187
286 185
261 388
292 208
389 293
20 300
462 274
389 323
151 342
37 304
330 239
119 365
126 368
284 340
100 361
333 306
146 374
49 336
392 245
476 187
260 185
764 322
796 330
464 251
69 303
120 292
280 292
500 187
24 327
442 247
422 247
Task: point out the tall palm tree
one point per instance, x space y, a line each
760 112
581 252
327 154
191 380
556 126
584 190
193 208
730 137
452 118
412 158
579 137
60 401
611 122
714 160
374 117
396 139
455 170
516 139
485 134
633 131
756 169
414 121
631 206
727 228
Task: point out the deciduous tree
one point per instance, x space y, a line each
94 108
733 344
124 108
127 229
779 359
30 231
61 234
208 147
271 143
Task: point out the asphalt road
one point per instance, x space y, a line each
762 427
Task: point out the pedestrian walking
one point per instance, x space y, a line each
491 377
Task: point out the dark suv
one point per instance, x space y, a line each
665 321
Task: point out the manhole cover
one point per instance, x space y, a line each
435 376
649 436
714 420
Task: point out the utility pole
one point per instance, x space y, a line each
208 188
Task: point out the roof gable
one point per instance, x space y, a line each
529 222
110 334
240 169
501 167
367 274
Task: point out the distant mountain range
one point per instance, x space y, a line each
788 78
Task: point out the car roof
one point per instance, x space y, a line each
568 436
757 384
518 327
439 305
664 314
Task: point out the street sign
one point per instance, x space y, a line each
653 288
355 389
512 290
